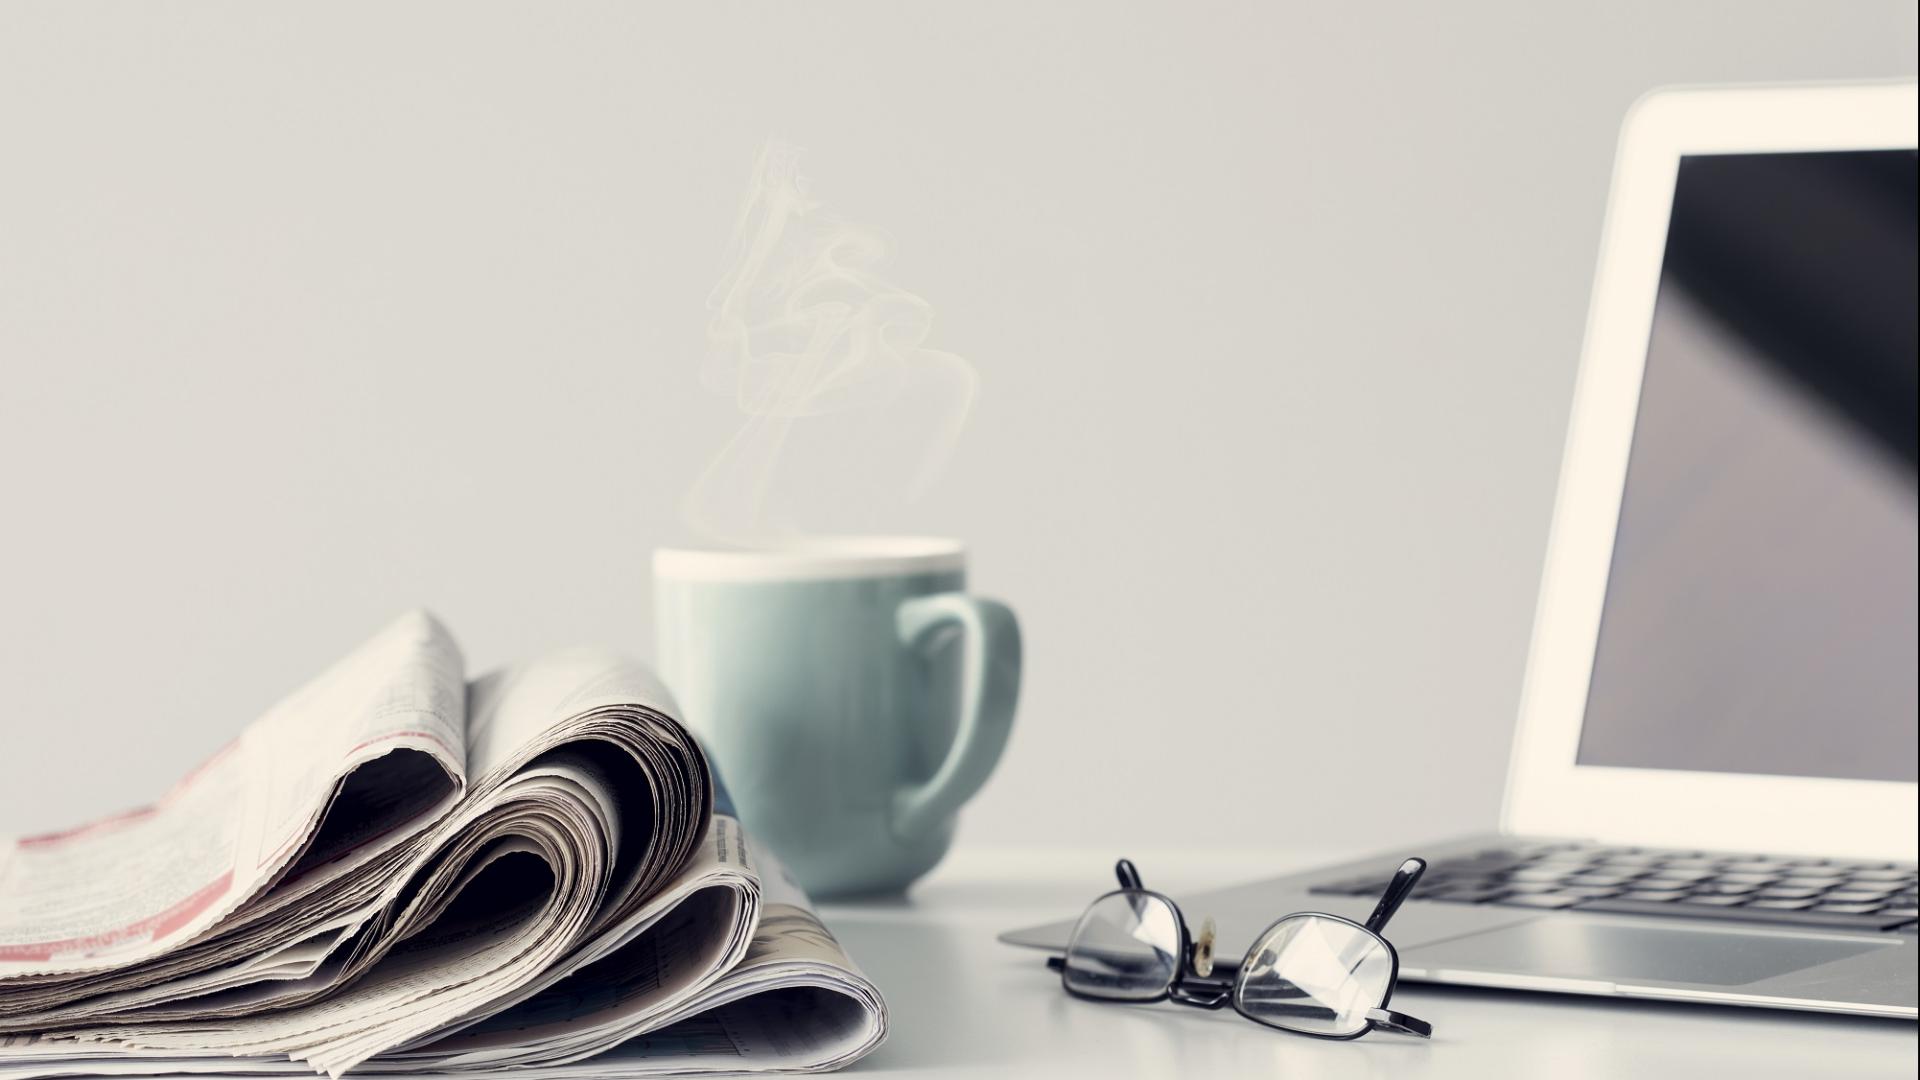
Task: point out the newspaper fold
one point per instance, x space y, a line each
397 872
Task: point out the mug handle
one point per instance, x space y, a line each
990 684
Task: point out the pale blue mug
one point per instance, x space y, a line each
851 691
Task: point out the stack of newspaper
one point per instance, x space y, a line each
399 871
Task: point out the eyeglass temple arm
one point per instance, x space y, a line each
1399 1023
1403 882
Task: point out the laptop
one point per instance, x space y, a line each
1712 794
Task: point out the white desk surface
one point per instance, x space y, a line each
962 1004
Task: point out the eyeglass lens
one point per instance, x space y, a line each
1316 975
1125 948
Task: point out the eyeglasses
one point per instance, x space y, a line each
1312 973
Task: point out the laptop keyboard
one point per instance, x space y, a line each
1832 894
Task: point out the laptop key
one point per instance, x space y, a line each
1779 893
1727 888
1670 874
1908 912
1849 909
1473 874
1540 874
1468 896
1857 896
1654 896
1881 874
1809 882
1539 900
1831 920
1781 904
1577 892
1605 880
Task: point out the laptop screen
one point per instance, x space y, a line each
1761 606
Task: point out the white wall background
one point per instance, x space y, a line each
308 316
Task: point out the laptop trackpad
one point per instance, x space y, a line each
1582 949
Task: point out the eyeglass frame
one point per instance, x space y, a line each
1378 1016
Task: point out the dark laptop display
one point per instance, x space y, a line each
1772 474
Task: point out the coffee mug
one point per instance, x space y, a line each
851 692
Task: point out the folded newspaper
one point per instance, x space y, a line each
396 871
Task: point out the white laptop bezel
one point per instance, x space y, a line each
1547 793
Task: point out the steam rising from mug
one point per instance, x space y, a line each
846 409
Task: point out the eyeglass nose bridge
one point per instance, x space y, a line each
1205 996
1201 957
